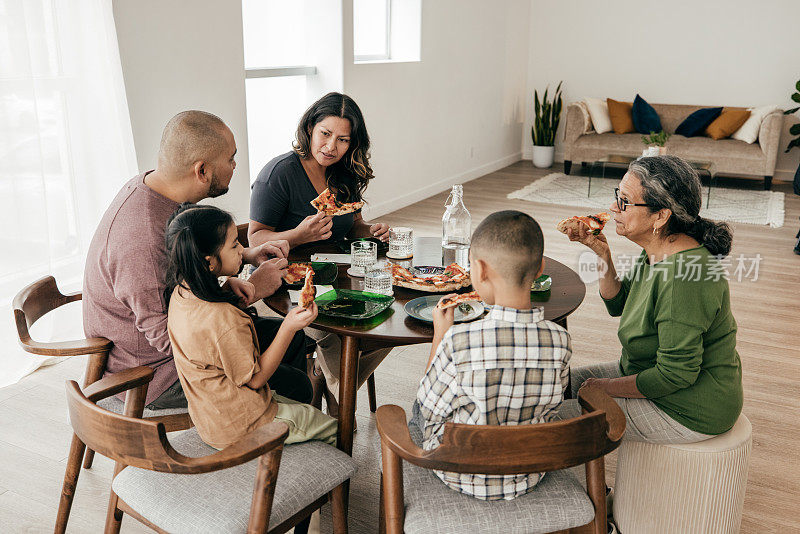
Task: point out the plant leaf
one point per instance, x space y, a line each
796 97
795 129
790 111
797 86
793 143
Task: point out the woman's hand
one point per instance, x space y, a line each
315 228
598 243
241 288
299 318
380 230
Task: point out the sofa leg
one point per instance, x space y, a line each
567 166
767 183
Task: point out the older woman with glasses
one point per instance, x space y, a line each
679 379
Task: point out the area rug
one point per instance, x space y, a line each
726 204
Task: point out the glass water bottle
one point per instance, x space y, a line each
456 229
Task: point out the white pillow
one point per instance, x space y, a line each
598 111
749 130
587 119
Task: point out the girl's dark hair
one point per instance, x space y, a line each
194 232
670 182
348 176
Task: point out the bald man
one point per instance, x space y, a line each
124 277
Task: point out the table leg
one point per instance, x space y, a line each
348 385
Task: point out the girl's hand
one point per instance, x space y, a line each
242 288
598 243
299 318
443 319
380 230
315 228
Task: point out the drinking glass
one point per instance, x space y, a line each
378 278
401 243
362 255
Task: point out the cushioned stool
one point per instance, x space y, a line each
695 487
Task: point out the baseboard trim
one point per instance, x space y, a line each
372 211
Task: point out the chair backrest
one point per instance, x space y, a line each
242 229
35 300
504 450
143 443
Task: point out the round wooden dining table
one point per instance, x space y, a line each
398 328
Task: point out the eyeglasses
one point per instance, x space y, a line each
622 203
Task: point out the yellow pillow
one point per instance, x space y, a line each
730 120
621 114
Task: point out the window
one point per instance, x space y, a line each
386 30
277 75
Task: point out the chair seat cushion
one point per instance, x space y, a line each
220 501
557 502
113 404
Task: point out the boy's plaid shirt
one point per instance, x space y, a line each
510 368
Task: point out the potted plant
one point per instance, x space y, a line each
658 139
795 130
547 115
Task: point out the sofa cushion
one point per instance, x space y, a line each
220 501
621 114
749 130
598 111
696 123
645 118
728 155
612 143
730 120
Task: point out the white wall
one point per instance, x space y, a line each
455 115
715 52
184 54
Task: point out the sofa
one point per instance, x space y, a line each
728 155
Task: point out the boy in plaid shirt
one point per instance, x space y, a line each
509 368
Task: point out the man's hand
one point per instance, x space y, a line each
380 230
245 290
443 319
267 277
267 250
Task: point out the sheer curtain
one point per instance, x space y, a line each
65 149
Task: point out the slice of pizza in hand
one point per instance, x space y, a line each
308 292
326 203
593 223
455 300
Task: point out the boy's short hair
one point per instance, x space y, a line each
512 243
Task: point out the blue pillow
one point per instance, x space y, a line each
645 118
696 123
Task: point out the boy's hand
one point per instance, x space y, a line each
299 318
443 319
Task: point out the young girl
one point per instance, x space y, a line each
220 365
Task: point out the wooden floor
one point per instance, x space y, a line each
35 434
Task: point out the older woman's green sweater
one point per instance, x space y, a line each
679 336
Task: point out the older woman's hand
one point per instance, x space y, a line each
598 243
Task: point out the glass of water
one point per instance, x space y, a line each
362 255
378 278
401 243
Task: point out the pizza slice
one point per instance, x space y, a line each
594 223
308 292
326 203
455 300
295 272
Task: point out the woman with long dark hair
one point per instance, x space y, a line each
223 370
331 150
679 379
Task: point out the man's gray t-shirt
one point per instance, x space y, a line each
281 197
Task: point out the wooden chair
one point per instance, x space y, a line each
425 504
148 467
373 403
32 303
